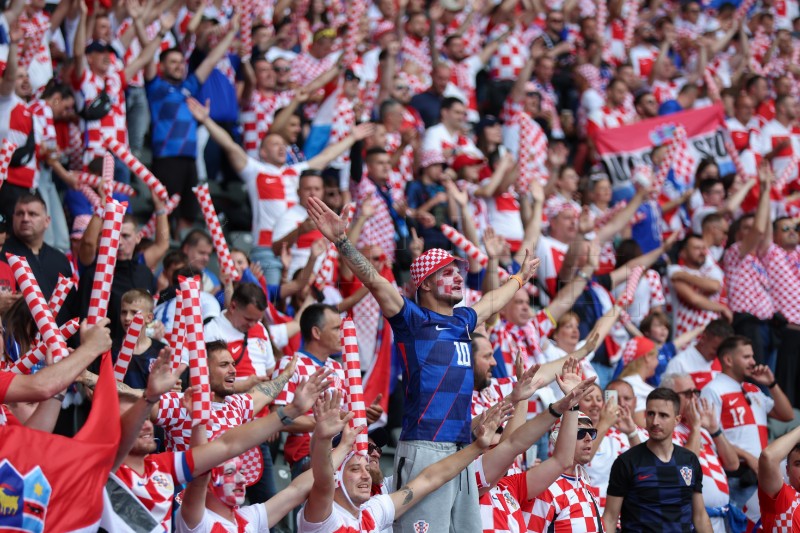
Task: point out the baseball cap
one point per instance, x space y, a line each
322 33
98 46
637 347
428 263
486 121
465 160
432 157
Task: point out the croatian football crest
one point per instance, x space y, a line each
23 499
421 526
686 474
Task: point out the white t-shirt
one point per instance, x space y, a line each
255 517
375 515
301 249
259 354
691 362
640 389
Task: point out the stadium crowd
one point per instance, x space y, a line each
542 252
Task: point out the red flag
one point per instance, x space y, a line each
53 483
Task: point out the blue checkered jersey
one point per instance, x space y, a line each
437 372
173 126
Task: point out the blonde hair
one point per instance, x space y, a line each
635 366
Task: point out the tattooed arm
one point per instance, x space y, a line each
333 228
263 393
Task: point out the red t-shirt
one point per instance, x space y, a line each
776 513
5 383
7 281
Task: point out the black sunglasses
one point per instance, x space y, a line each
372 448
788 228
688 393
582 432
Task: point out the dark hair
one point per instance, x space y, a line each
751 82
452 36
194 237
215 346
385 106
473 344
667 395
653 316
174 257
54 87
711 218
707 184
249 294
314 317
163 55
187 272
781 99
719 328
778 221
30 198
735 226
682 244
375 150
796 449
640 96
731 343
627 250
450 101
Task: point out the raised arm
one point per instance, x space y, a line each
155 253
755 236
236 154
623 218
329 423
217 53
331 152
79 46
333 228
9 79
146 55
493 301
55 378
770 476
87 249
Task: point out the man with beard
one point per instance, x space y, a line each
151 478
657 483
433 339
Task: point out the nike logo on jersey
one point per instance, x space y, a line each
236 349
734 400
642 477
440 328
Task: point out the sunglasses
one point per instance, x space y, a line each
582 432
282 69
374 448
401 87
688 393
787 229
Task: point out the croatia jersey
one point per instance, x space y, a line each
501 511
155 487
567 506
249 519
374 516
777 512
257 358
692 362
436 357
742 410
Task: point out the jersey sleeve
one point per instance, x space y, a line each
543 513
469 315
698 473
619 482
407 320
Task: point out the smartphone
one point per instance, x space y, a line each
608 394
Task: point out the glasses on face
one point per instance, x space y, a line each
688 393
582 432
401 87
557 21
374 448
282 69
787 229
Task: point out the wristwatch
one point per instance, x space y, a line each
285 419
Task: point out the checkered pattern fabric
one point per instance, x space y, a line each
782 179
246 10
6 151
128 344
93 198
379 229
742 410
465 245
176 336
511 55
417 51
404 171
355 394
683 162
493 394
687 317
136 166
106 261
743 8
532 151
36 355
344 118
634 276
748 283
741 172
114 124
355 12
500 507
306 67
38 305
257 117
783 269
34 31
196 347
93 181
428 263
567 504
63 286
149 229
713 473
215 228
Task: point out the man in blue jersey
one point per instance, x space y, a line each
433 338
657 485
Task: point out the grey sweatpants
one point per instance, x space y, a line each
452 508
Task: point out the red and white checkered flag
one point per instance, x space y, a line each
355 391
106 261
149 229
630 288
128 345
196 346
682 162
6 152
215 228
136 166
741 172
465 245
354 15
177 335
36 355
32 43
116 186
532 151
63 286
40 311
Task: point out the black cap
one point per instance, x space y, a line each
98 46
349 75
487 121
379 435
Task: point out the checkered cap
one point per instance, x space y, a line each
636 348
432 157
555 205
6 152
428 263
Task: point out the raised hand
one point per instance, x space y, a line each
527 385
588 347
495 417
574 396
374 410
362 131
625 421
708 415
309 390
417 244
609 415
327 415
570 375
161 379
496 245
96 338
199 111
349 435
762 375
328 223
529 266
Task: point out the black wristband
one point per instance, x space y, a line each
772 385
717 433
575 407
553 411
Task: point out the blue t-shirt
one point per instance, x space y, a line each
221 92
174 128
436 357
647 232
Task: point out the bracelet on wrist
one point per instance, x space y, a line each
583 275
553 412
717 433
518 279
772 385
633 435
151 402
160 212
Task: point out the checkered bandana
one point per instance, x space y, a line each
428 263
555 205
636 348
